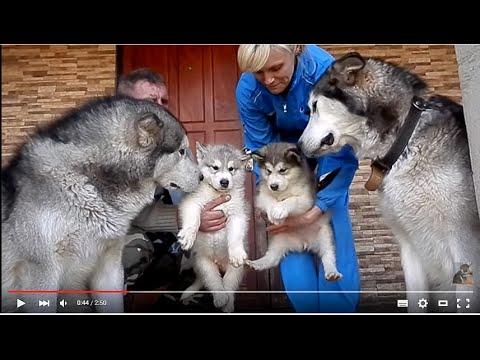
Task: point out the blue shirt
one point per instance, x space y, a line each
268 118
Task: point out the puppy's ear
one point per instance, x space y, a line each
201 150
258 156
247 162
246 157
150 130
293 155
347 67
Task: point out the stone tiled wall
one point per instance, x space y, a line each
41 82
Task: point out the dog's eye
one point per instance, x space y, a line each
314 106
214 167
269 171
182 151
231 169
282 171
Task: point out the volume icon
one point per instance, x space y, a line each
63 303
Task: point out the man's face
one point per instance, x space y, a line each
149 91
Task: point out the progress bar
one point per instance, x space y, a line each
76 292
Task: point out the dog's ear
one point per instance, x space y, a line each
347 67
247 161
201 150
381 118
246 157
150 130
258 156
293 155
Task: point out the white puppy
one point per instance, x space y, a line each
223 251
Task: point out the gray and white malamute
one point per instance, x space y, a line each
223 251
288 188
69 195
427 197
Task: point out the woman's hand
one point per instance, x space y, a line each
296 222
213 220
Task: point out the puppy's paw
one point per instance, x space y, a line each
186 238
220 299
237 256
230 306
186 297
255 264
333 276
278 214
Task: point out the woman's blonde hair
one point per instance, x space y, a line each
252 57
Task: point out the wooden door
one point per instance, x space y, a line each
201 83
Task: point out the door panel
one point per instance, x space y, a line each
191 83
201 83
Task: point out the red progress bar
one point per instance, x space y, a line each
68 291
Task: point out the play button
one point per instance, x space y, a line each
20 303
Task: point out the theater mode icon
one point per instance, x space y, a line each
442 303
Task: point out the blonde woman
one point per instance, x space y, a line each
272 97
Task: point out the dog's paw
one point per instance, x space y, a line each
277 214
186 297
220 299
255 264
333 276
186 238
230 306
237 256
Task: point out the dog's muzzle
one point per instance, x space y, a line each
224 183
327 140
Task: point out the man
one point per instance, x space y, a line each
160 219
144 84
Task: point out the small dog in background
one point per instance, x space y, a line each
222 251
464 276
288 188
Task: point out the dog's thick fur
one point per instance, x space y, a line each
428 196
225 250
69 195
287 189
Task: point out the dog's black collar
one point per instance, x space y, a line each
381 166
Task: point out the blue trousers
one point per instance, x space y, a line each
303 271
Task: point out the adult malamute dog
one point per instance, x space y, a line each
71 192
222 251
427 197
288 188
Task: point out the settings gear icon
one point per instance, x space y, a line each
422 303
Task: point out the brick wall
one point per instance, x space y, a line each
40 82
377 251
